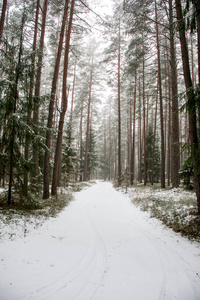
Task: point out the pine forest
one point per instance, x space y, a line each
94 89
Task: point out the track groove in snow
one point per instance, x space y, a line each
100 247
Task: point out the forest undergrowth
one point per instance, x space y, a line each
176 208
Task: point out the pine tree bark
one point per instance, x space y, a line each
105 156
51 106
140 136
144 127
198 50
37 87
133 134
154 136
119 179
129 134
110 148
3 14
191 105
175 158
161 105
81 144
58 151
169 134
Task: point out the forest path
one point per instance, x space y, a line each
101 247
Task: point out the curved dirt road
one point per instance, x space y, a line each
100 247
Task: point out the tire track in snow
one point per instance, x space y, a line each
119 215
179 285
98 273
70 279
152 242
86 277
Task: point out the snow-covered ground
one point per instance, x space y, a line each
100 247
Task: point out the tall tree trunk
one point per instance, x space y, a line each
161 106
51 105
169 131
198 49
191 105
154 136
58 151
144 128
85 173
140 136
30 100
81 144
175 159
3 13
105 156
37 88
70 130
133 134
110 147
119 179
147 115
129 134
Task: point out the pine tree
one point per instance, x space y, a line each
51 105
191 103
149 156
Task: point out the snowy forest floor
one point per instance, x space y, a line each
176 208
21 216
101 247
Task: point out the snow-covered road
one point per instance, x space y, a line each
100 247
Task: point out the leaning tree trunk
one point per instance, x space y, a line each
161 106
58 150
51 105
191 104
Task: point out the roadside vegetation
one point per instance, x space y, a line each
176 208
18 219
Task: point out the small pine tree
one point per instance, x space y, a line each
92 160
92 157
149 155
69 156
